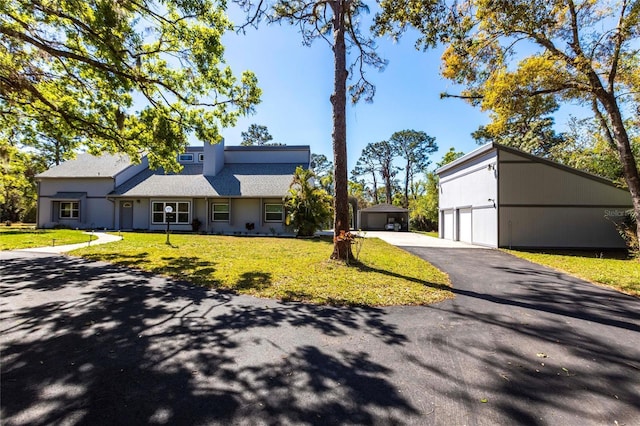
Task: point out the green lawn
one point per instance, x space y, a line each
283 268
620 274
430 233
19 237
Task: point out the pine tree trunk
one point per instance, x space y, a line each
375 189
406 185
341 248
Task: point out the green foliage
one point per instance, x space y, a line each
423 210
586 148
358 190
18 189
323 169
620 274
414 148
626 228
308 207
383 154
377 160
530 134
368 165
449 157
118 76
257 135
283 268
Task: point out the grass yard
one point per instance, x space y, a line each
283 268
433 234
620 274
19 237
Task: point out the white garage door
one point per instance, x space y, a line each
464 225
447 224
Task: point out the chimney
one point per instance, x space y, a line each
213 158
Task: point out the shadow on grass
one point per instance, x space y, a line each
92 343
129 260
363 267
25 231
254 280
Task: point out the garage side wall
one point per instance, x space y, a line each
544 206
468 199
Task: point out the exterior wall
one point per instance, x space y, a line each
558 227
277 155
142 214
95 211
131 171
199 211
373 221
540 184
213 158
545 206
468 196
243 211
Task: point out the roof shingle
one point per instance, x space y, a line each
89 166
234 180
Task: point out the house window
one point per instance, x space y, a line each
185 158
220 212
273 212
200 157
180 215
69 210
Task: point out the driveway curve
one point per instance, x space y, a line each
89 343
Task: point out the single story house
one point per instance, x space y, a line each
382 217
227 189
498 196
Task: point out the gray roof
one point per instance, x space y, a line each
234 180
89 166
384 208
534 158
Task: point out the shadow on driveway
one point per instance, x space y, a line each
90 343
86 342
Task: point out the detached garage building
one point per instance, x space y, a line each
382 217
498 196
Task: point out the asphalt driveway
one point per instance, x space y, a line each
89 343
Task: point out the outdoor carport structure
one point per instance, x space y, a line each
376 218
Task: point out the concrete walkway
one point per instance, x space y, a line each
103 238
410 239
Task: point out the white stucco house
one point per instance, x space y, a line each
498 196
228 189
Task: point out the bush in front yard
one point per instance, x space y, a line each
627 230
308 207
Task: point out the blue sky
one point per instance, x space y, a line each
297 81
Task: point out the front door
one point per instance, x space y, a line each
126 215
